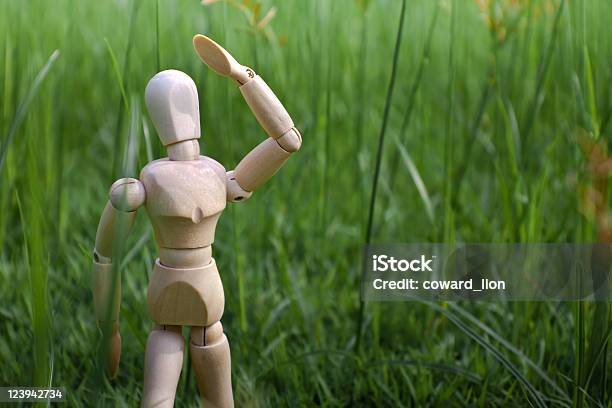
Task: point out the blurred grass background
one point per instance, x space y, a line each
496 109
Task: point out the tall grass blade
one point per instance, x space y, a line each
360 101
123 107
38 279
599 356
579 355
471 318
379 151
416 83
531 390
117 73
416 178
121 229
541 80
449 223
157 46
590 86
328 123
24 105
461 169
600 322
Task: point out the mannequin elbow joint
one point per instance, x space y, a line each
291 140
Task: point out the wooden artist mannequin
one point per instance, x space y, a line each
184 195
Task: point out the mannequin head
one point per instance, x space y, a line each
172 100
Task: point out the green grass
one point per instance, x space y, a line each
482 145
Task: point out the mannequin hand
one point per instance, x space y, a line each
114 355
113 348
221 61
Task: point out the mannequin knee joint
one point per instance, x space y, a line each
206 336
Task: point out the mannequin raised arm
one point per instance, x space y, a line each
261 163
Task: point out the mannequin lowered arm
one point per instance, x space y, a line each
259 165
125 196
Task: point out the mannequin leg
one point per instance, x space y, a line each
210 358
163 363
